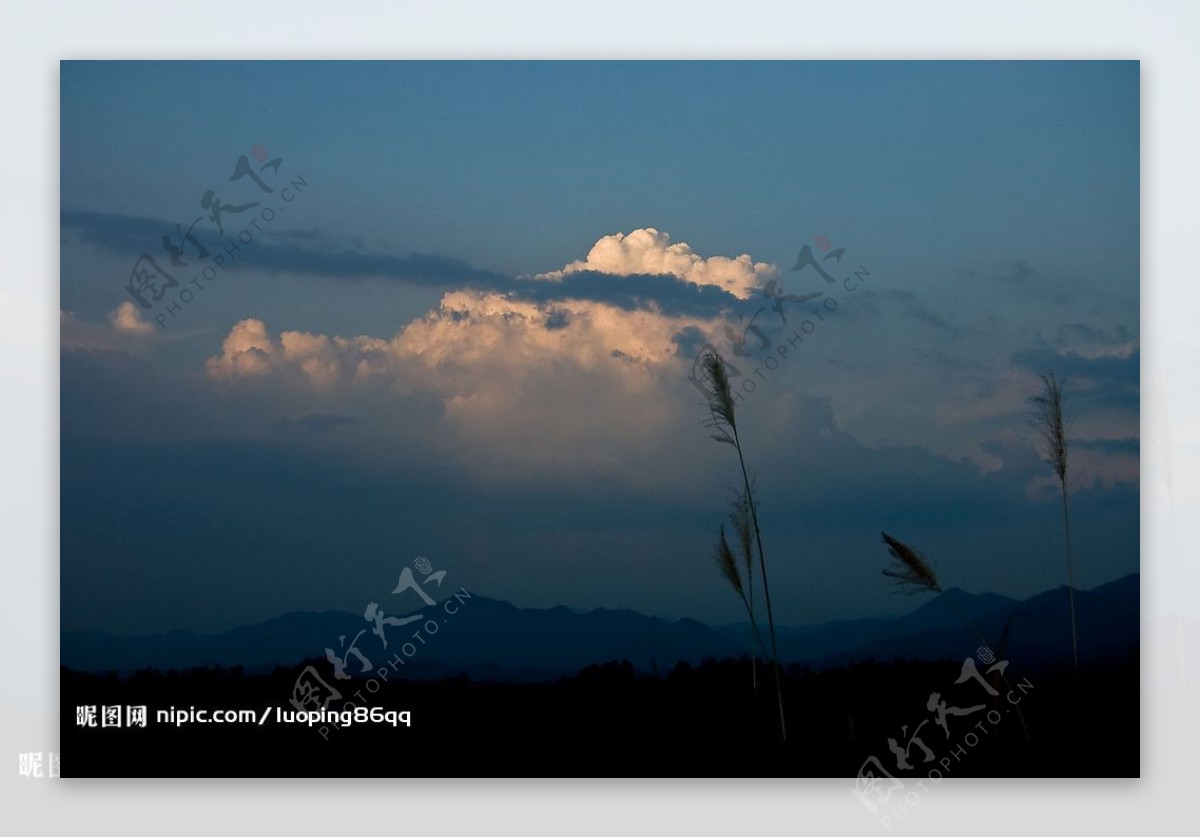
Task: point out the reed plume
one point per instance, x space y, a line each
913 574
728 565
739 516
732 569
1049 419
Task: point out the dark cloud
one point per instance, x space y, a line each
1018 272
664 293
1116 369
318 422
312 253
558 319
944 360
1110 446
305 252
1070 333
1109 383
914 309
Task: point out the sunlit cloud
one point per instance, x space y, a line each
650 251
555 385
128 319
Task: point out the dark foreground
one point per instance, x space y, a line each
610 721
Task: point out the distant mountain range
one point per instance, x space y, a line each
1038 629
490 638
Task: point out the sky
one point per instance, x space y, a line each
461 324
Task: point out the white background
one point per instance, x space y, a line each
34 37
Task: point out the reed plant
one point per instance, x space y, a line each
911 572
739 573
1050 421
722 421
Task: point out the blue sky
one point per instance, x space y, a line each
995 204
519 166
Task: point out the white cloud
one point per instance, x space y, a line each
470 334
248 351
127 318
650 251
522 386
